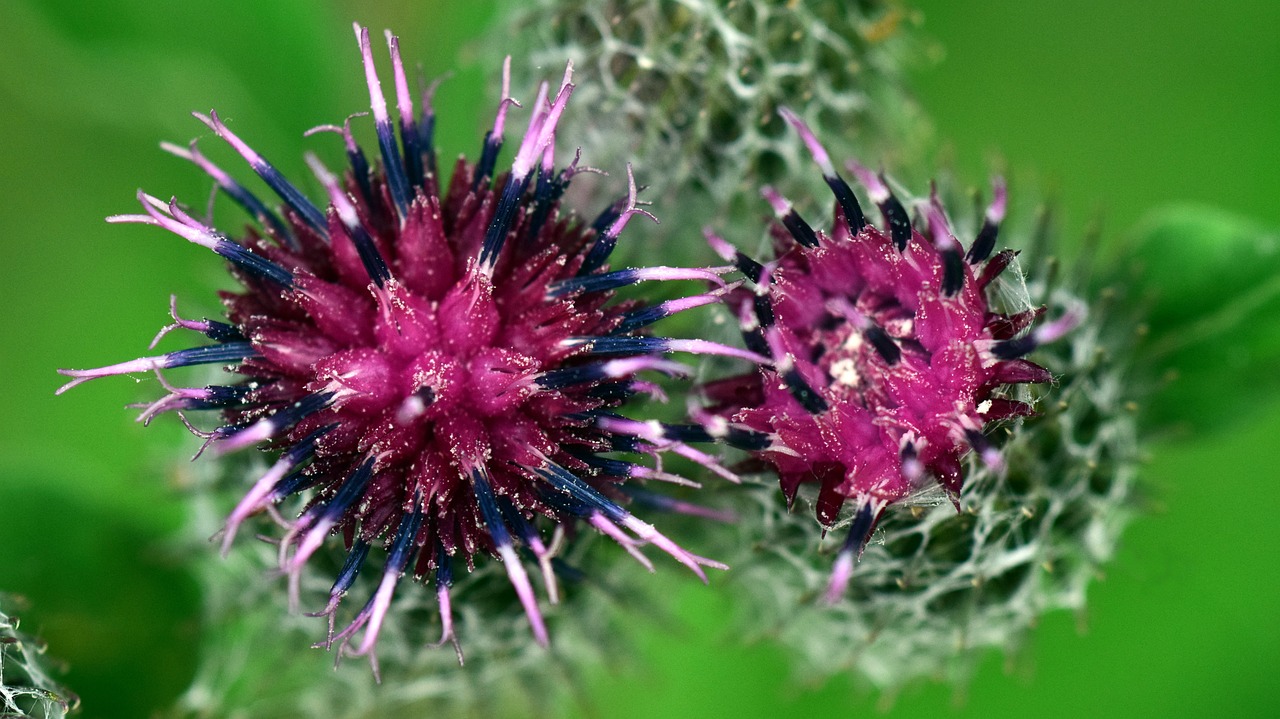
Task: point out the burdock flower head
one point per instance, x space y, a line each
438 369
889 364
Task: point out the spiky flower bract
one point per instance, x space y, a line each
888 361
27 687
696 84
437 367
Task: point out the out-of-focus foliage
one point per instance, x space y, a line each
1210 281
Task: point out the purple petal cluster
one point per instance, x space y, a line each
888 362
438 368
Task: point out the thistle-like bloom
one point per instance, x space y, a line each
888 363
438 371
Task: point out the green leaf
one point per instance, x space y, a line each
1210 282
104 593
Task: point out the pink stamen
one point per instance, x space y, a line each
781 205
876 188
816 149
544 556
546 127
337 196
253 501
524 590
194 325
642 472
310 542
381 603
618 368
633 207
939 228
193 155
653 433
999 200
719 245
648 533
191 231
1060 327
446 622
404 101
260 431
215 123
377 103
841 573
142 364
349 140
500 120
706 347
612 531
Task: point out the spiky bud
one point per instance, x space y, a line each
695 85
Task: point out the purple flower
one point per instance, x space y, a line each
888 360
440 368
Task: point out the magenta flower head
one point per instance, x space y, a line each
888 363
437 368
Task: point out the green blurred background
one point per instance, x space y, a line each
1116 107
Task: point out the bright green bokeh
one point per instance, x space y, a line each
1114 105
